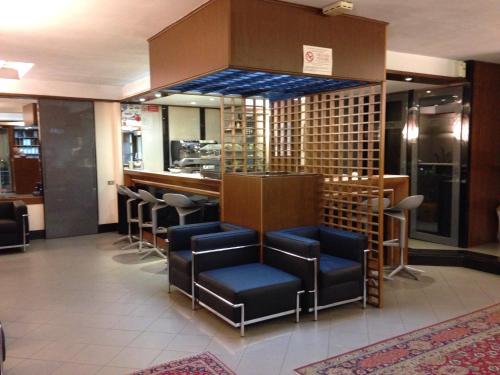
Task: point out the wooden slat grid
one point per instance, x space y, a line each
243 134
339 135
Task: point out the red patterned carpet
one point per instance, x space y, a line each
200 364
469 344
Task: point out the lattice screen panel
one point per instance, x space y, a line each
339 135
243 134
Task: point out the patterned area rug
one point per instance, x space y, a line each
200 364
469 344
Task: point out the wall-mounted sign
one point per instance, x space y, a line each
151 108
318 60
131 115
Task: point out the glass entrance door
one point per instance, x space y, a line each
434 134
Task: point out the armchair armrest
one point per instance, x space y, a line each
21 217
224 249
179 237
343 244
291 243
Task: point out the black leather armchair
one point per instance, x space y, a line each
179 255
331 262
230 281
14 226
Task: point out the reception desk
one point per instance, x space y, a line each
189 183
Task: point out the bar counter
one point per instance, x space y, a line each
192 183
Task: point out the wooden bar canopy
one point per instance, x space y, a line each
265 36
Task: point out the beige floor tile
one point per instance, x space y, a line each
167 325
170 355
135 357
58 351
152 340
34 367
189 343
76 369
26 348
96 354
111 370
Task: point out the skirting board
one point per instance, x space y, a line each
455 258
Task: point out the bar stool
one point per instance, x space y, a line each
121 191
183 205
132 197
155 205
397 212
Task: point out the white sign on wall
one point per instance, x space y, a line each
318 60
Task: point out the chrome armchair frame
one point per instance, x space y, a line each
241 306
316 307
24 245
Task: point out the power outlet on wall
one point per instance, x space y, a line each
111 182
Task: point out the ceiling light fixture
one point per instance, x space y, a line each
158 95
193 103
428 91
14 69
142 99
212 99
408 79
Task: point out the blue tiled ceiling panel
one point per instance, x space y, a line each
270 85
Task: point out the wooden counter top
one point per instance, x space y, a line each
26 198
192 183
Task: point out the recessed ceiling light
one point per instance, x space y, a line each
14 69
142 99
212 99
428 91
455 96
443 100
158 94
193 103
408 79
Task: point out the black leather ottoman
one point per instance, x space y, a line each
264 292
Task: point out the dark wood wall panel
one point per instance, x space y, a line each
484 185
269 35
196 45
264 35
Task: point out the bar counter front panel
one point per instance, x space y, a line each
190 183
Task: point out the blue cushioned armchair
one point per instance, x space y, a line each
332 263
181 239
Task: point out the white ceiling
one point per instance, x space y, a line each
454 29
104 42
90 41
188 100
8 105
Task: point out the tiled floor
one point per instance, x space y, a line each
81 306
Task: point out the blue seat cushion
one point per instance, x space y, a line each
249 282
335 270
181 260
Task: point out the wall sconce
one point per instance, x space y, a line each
410 130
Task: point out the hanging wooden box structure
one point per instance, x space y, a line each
245 36
330 124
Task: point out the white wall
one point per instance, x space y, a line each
108 157
36 217
152 140
60 88
407 62
212 124
183 123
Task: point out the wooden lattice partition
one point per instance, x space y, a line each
339 135
243 134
